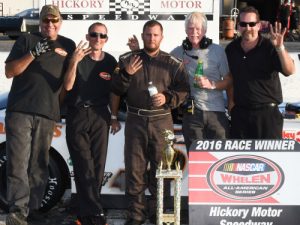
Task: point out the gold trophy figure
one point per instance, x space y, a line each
161 174
169 152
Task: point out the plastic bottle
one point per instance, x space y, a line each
198 73
152 89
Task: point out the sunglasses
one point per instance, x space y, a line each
100 35
244 24
53 20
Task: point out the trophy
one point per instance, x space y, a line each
168 173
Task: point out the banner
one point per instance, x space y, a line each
131 9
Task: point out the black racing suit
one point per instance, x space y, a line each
144 124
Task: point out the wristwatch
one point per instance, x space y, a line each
280 48
213 85
113 117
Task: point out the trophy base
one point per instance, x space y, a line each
171 217
168 218
173 174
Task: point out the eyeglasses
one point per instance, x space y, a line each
53 20
244 24
100 35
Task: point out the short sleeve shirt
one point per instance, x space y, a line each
37 89
215 67
255 73
93 82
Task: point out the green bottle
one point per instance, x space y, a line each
198 73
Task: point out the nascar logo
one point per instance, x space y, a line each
231 167
245 177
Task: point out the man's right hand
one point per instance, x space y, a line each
134 65
81 51
44 45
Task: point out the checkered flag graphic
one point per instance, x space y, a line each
129 6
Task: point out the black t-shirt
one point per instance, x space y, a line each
37 89
93 82
255 73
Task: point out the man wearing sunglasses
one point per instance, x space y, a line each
255 63
37 65
88 80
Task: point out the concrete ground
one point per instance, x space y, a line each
62 215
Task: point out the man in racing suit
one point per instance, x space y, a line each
147 116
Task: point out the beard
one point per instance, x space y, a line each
151 49
247 35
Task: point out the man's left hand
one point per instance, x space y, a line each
204 82
277 35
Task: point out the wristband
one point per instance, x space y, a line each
280 48
32 55
213 85
113 117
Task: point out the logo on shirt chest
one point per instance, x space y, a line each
61 51
105 75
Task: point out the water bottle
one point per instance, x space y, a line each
198 73
152 89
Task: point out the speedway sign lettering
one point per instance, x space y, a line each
244 182
131 9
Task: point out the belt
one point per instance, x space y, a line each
147 112
258 106
86 105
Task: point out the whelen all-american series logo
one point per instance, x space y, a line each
245 177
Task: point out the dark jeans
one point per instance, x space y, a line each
28 140
144 144
263 123
204 125
87 138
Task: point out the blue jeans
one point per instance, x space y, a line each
204 125
28 140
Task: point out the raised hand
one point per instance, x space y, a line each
44 45
134 65
277 35
81 51
133 43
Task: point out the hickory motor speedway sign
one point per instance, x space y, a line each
124 18
244 182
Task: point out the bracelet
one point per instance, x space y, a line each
31 54
280 48
213 85
113 117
